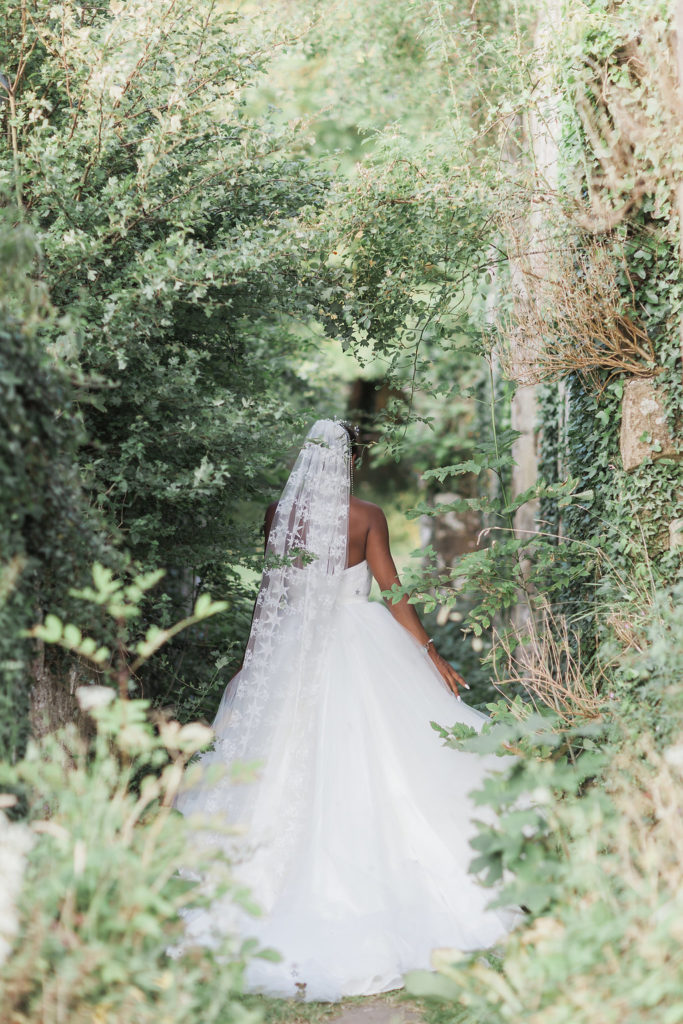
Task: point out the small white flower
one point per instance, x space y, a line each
194 736
477 644
134 738
442 615
444 957
91 697
674 756
15 842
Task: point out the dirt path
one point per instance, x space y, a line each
383 1009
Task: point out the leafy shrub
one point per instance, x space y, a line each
48 534
588 839
608 949
101 904
101 898
169 257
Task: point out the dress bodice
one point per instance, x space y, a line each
355 583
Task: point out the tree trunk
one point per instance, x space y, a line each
53 701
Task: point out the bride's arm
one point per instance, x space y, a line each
378 554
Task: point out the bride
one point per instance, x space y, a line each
355 832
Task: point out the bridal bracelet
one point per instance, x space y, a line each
425 647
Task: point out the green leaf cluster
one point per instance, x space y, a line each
109 870
168 262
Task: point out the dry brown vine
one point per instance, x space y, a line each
568 315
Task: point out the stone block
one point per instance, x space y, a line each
644 432
524 417
676 533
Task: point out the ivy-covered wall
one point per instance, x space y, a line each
630 219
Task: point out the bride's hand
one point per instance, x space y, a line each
451 678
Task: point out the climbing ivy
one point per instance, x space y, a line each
629 513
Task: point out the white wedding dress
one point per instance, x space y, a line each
358 823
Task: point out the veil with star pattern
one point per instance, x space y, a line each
274 694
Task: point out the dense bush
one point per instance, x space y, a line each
48 532
169 259
101 896
588 841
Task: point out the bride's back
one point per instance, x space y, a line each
361 517
364 518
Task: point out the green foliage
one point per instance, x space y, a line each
122 603
544 766
512 564
612 518
617 900
112 866
644 661
47 530
586 838
630 512
588 812
169 244
192 253
101 897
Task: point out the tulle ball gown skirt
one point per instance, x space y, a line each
358 824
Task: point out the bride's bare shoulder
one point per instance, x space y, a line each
366 510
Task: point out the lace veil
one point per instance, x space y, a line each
267 714
306 551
